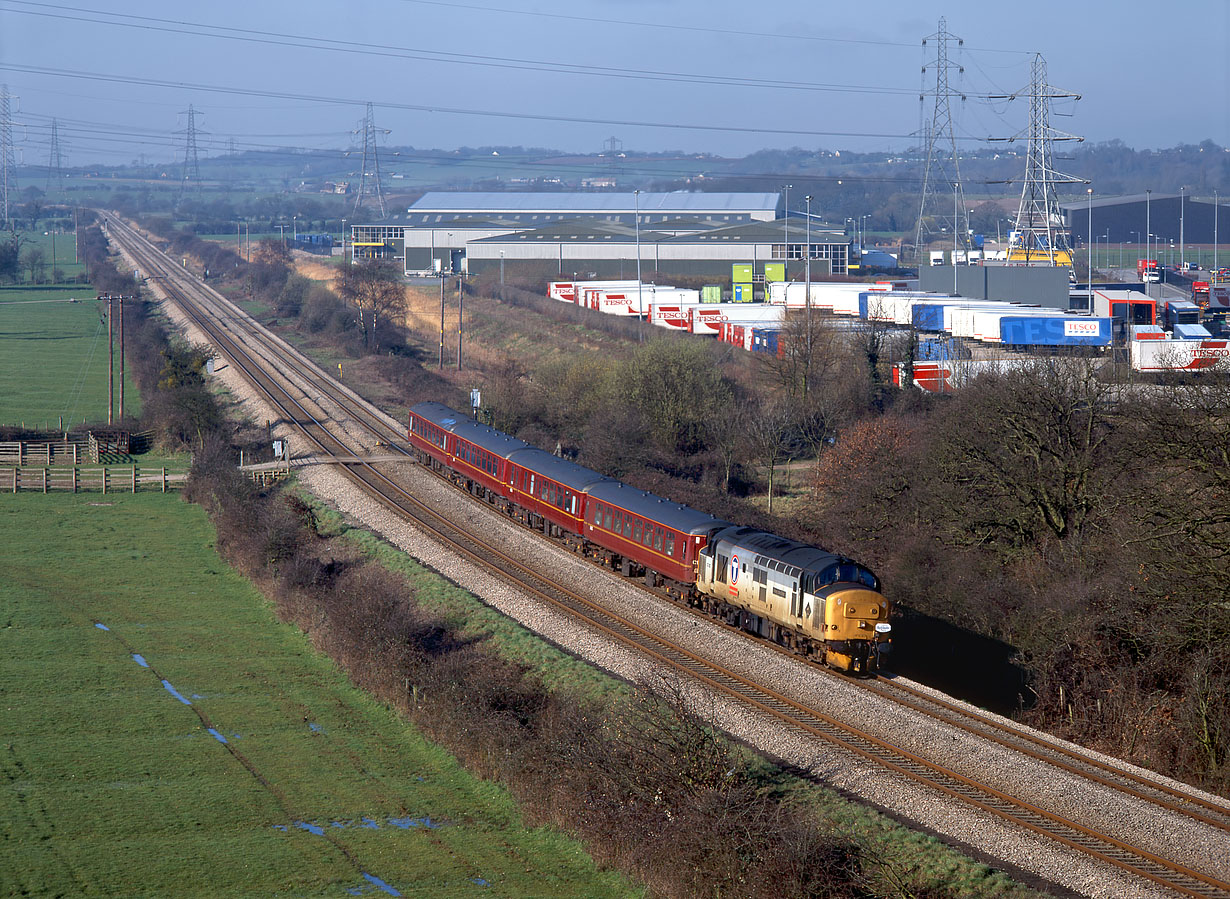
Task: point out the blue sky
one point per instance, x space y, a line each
718 76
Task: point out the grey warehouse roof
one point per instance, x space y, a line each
463 202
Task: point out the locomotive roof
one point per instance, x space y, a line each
480 435
792 552
566 472
648 505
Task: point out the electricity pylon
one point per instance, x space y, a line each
1039 235
192 166
369 175
936 214
8 168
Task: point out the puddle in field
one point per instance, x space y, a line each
140 660
217 736
101 626
174 692
373 879
316 728
407 823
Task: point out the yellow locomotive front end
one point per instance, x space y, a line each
855 627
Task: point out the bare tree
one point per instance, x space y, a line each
374 288
770 429
34 261
1032 451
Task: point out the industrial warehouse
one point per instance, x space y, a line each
601 235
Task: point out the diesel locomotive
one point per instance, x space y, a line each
819 604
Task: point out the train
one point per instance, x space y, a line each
817 603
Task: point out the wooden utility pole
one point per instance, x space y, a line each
442 279
121 299
460 301
110 300
110 360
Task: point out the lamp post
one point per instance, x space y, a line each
786 226
807 287
1148 223
294 221
640 306
345 261
1089 247
1215 268
1182 255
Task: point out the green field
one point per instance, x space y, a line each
59 247
53 358
113 785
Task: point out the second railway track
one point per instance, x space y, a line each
345 428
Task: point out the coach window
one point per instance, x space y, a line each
637 538
670 544
597 514
608 518
657 538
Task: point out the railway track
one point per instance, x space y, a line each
340 426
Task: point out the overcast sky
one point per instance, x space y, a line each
697 75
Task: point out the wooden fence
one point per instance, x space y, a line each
116 479
19 452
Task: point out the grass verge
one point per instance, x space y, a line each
112 785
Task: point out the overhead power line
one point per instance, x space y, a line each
446 110
247 35
695 29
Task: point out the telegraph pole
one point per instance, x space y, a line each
110 360
110 301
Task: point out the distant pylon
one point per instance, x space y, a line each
935 213
1039 231
8 168
55 158
613 148
192 166
369 175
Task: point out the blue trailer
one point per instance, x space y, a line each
1055 330
766 340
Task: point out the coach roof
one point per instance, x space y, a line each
468 429
570 474
662 511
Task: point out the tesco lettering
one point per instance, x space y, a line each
1080 329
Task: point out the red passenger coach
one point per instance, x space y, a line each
475 454
550 489
649 534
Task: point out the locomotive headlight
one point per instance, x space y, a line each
883 627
